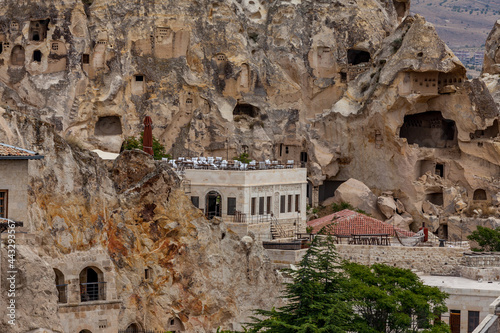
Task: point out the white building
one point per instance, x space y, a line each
468 302
250 200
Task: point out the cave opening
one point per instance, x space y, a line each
489 133
110 125
400 8
429 129
37 56
356 57
245 109
480 194
435 198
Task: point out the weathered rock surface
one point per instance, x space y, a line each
345 85
387 206
358 195
133 216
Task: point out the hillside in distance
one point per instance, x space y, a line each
460 23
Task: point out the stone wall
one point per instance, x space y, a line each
14 179
430 260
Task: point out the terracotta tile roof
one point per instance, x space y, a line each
11 152
348 222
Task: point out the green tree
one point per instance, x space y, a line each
315 298
159 150
488 239
393 300
243 158
326 296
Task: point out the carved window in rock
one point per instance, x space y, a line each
356 57
55 46
37 56
435 198
38 30
175 325
17 56
14 26
221 57
303 157
85 59
162 33
480 194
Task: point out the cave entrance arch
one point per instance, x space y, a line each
356 57
480 195
429 129
132 328
213 204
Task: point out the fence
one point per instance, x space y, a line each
93 291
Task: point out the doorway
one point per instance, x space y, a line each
455 321
213 204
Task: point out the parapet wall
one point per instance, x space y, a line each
429 260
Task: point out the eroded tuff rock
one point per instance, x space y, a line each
347 86
124 220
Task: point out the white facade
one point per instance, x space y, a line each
281 192
467 298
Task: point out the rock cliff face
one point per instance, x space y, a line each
123 221
354 89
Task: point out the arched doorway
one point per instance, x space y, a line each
132 328
85 331
92 284
213 204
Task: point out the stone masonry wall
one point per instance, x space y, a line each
429 260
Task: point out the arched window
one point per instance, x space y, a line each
92 284
480 194
62 288
17 56
175 325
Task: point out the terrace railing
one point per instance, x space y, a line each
93 291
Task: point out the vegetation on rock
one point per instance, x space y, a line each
488 239
136 143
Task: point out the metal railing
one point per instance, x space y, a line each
93 291
62 292
240 217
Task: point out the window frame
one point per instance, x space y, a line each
4 214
